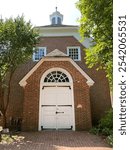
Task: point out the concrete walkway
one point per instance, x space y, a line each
58 140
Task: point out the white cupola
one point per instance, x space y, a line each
56 18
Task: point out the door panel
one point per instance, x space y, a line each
64 96
64 117
49 122
49 96
56 108
48 117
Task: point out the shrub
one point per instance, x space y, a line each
105 127
106 123
95 130
110 140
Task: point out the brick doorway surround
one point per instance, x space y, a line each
81 81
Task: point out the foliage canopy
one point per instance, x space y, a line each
96 23
17 39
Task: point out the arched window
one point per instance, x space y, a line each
54 20
58 20
56 76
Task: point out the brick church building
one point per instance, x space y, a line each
55 89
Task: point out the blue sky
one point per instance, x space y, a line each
38 11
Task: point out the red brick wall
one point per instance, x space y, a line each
60 43
15 109
99 92
81 96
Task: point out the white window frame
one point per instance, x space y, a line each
79 52
44 48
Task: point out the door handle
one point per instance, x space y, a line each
58 112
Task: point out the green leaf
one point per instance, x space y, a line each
96 22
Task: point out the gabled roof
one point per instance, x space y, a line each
23 82
56 53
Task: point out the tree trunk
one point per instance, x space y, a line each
1 104
8 98
1 97
4 121
6 104
8 91
0 136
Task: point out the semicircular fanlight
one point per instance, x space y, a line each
56 76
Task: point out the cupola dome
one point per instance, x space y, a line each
56 18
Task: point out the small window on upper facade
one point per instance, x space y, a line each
39 53
74 53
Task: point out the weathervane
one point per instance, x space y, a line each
56 8
56 4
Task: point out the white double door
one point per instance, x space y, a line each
56 108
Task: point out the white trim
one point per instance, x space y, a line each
79 52
56 84
90 82
44 48
57 28
64 31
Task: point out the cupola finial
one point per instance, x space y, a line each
56 17
56 8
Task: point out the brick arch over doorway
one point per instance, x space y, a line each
82 107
